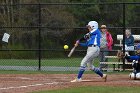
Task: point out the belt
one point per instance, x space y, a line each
92 45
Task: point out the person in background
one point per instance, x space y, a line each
129 42
106 45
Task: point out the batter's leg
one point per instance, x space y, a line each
81 71
89 57
96 70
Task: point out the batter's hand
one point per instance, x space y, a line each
77 43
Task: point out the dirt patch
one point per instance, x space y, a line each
24 83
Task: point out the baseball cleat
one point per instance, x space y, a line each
76 80
104 77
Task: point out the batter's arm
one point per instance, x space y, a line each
82 39
85 37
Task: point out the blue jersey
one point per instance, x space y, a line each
92 39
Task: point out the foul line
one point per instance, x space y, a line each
32 85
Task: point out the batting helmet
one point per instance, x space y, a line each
93 24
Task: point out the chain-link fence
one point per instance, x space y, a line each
38 32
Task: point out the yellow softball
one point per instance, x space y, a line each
66 46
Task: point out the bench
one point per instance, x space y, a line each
115 63
116 69
119 63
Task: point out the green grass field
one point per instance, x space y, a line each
55 72
44 62
95 89
66 62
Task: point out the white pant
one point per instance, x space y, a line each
92 52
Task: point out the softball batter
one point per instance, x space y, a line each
93 43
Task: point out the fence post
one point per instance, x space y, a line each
39 36
124 27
